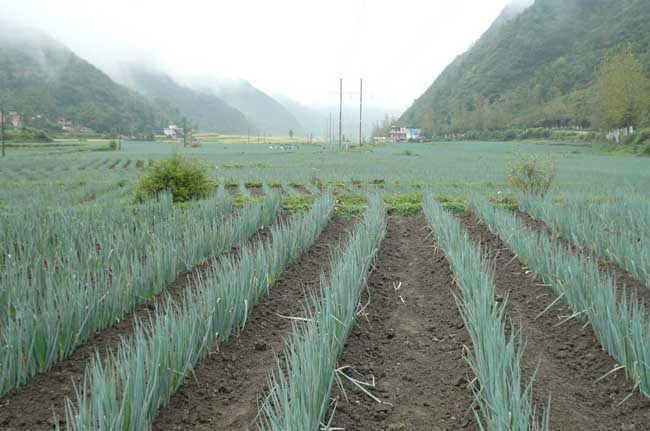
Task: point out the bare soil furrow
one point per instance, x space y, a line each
411 341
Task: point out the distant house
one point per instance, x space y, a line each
13 118
406 134
172 131
66 125
69 126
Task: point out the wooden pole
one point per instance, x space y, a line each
341 115
361 113
2 129
329 130
184 132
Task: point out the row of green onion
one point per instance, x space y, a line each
505 403
125 391
80 286
621 326
302 383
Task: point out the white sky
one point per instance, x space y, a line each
298 48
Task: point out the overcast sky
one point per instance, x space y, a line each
297 48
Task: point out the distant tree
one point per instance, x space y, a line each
382 129
291 134
621 91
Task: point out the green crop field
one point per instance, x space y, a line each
324 289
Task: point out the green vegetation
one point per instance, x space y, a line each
621 327
141 377
126 254
622 92
537 68
186 179
300 388
504 402
531 174
26 134
207 111
265 114
616 229
46 82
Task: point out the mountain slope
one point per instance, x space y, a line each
44 81
533 69
265 113
208 111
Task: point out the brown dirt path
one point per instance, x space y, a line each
44 394
414 347
569 357
224 389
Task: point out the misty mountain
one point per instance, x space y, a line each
533 67
316 120
265 114
207 111
46 82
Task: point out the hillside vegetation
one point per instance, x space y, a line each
45 82
537 68
266 115
207 111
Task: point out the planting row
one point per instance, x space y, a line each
301 386
618 230
495 358
126 392
90 267
620 325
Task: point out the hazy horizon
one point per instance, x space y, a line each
296 50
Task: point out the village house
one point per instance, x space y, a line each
13 118
406 134
172 131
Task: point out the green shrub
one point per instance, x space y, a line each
184 178
531 173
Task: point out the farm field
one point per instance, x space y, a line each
391 287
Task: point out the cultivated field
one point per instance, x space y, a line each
392 287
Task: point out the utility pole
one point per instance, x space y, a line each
329 130
184 132
361 113
2 129
341 115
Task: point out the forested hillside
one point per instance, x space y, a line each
45 82
266 115
203 108
536 68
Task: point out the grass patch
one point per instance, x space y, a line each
297 204
507 202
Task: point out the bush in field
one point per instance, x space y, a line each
184 178
532 174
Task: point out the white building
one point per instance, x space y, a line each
172 131
406 134
12 118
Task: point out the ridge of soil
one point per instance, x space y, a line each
625 282
43 396
566 358
410 340
224 389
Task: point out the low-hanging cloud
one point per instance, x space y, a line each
292 47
